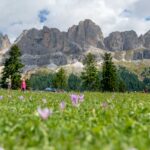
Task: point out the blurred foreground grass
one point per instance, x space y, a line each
104 121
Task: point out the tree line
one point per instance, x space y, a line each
110 78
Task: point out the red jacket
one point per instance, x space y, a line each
23 85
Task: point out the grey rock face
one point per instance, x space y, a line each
51 46
86 33
54 46
59 59
41 46
118 41
4 42
130 40
145 54
39 60
138 56
146 40
114 42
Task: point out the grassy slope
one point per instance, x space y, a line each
136 67
123 124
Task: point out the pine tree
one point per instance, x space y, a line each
89 76
74 82
12 68
121 86
60 79
109 74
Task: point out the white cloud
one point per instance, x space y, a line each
22 14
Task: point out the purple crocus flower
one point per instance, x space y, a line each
81 98
44 113
62 105
1 148
104 104
74 99
1 97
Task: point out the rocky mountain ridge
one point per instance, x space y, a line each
50 47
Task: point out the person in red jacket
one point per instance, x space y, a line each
23 85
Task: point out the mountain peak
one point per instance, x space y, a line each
4 42
86 33
87 21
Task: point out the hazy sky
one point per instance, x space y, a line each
110 15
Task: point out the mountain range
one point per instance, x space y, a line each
49 47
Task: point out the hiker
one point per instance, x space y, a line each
9 83
23 85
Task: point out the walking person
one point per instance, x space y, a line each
23 85
9 84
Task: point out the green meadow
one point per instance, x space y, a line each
103 121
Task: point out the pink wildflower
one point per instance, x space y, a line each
62 105
44 113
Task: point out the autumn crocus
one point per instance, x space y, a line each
1 148
74 99
44 113
104 104
1 97
62 105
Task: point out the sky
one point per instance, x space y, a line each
110 15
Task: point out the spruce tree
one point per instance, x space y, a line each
12 68
60 79
109 74
89 76
74 82
121 86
